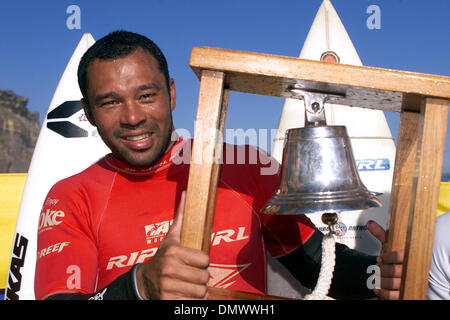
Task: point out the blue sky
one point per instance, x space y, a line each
36 43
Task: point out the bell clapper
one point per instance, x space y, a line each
330 219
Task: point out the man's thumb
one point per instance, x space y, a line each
175 229
376 230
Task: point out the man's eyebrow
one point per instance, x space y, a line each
102 96
148 86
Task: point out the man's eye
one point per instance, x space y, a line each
147 95
109 102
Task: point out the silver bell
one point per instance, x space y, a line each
318 174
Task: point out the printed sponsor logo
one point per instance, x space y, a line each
357 228
49 219
329 56
50 202
223 276
56 247
17 262
228 235
82 117
157 231
340 229
99 295
128 261
58 120
373 164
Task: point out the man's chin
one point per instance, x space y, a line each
142 158
142 161
139 159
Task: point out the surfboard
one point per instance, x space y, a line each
11 189
66 145
371 139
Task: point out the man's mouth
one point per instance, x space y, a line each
138 141
139 137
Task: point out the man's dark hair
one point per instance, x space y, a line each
119 44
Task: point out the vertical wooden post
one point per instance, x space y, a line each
419 241
405 159
205 161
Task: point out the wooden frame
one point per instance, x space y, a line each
422 101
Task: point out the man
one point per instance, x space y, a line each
116 234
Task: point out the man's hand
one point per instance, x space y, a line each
175 272
390 264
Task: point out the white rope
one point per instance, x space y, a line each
326 269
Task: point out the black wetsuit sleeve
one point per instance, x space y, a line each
122 288
350 273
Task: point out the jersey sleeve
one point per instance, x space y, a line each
282 233
285 233
66 248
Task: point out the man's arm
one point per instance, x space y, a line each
350 274
122 288
67 254
175 272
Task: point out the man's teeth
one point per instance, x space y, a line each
140 137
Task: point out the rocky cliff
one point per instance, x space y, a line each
19 130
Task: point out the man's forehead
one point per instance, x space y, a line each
137 63
137 54
137 71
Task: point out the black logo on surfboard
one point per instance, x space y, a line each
17 261
63 127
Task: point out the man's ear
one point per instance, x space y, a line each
173 94
87 112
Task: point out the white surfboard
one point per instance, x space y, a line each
66 145
371 138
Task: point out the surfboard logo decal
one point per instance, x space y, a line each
66 128
330 56
17 262
65 110
340 229
382 164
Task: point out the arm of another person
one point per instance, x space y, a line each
439 280
351 273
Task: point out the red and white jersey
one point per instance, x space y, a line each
94 226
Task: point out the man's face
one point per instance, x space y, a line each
131 106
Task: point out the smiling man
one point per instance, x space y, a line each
119 221
130 101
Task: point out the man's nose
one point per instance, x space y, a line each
132 114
